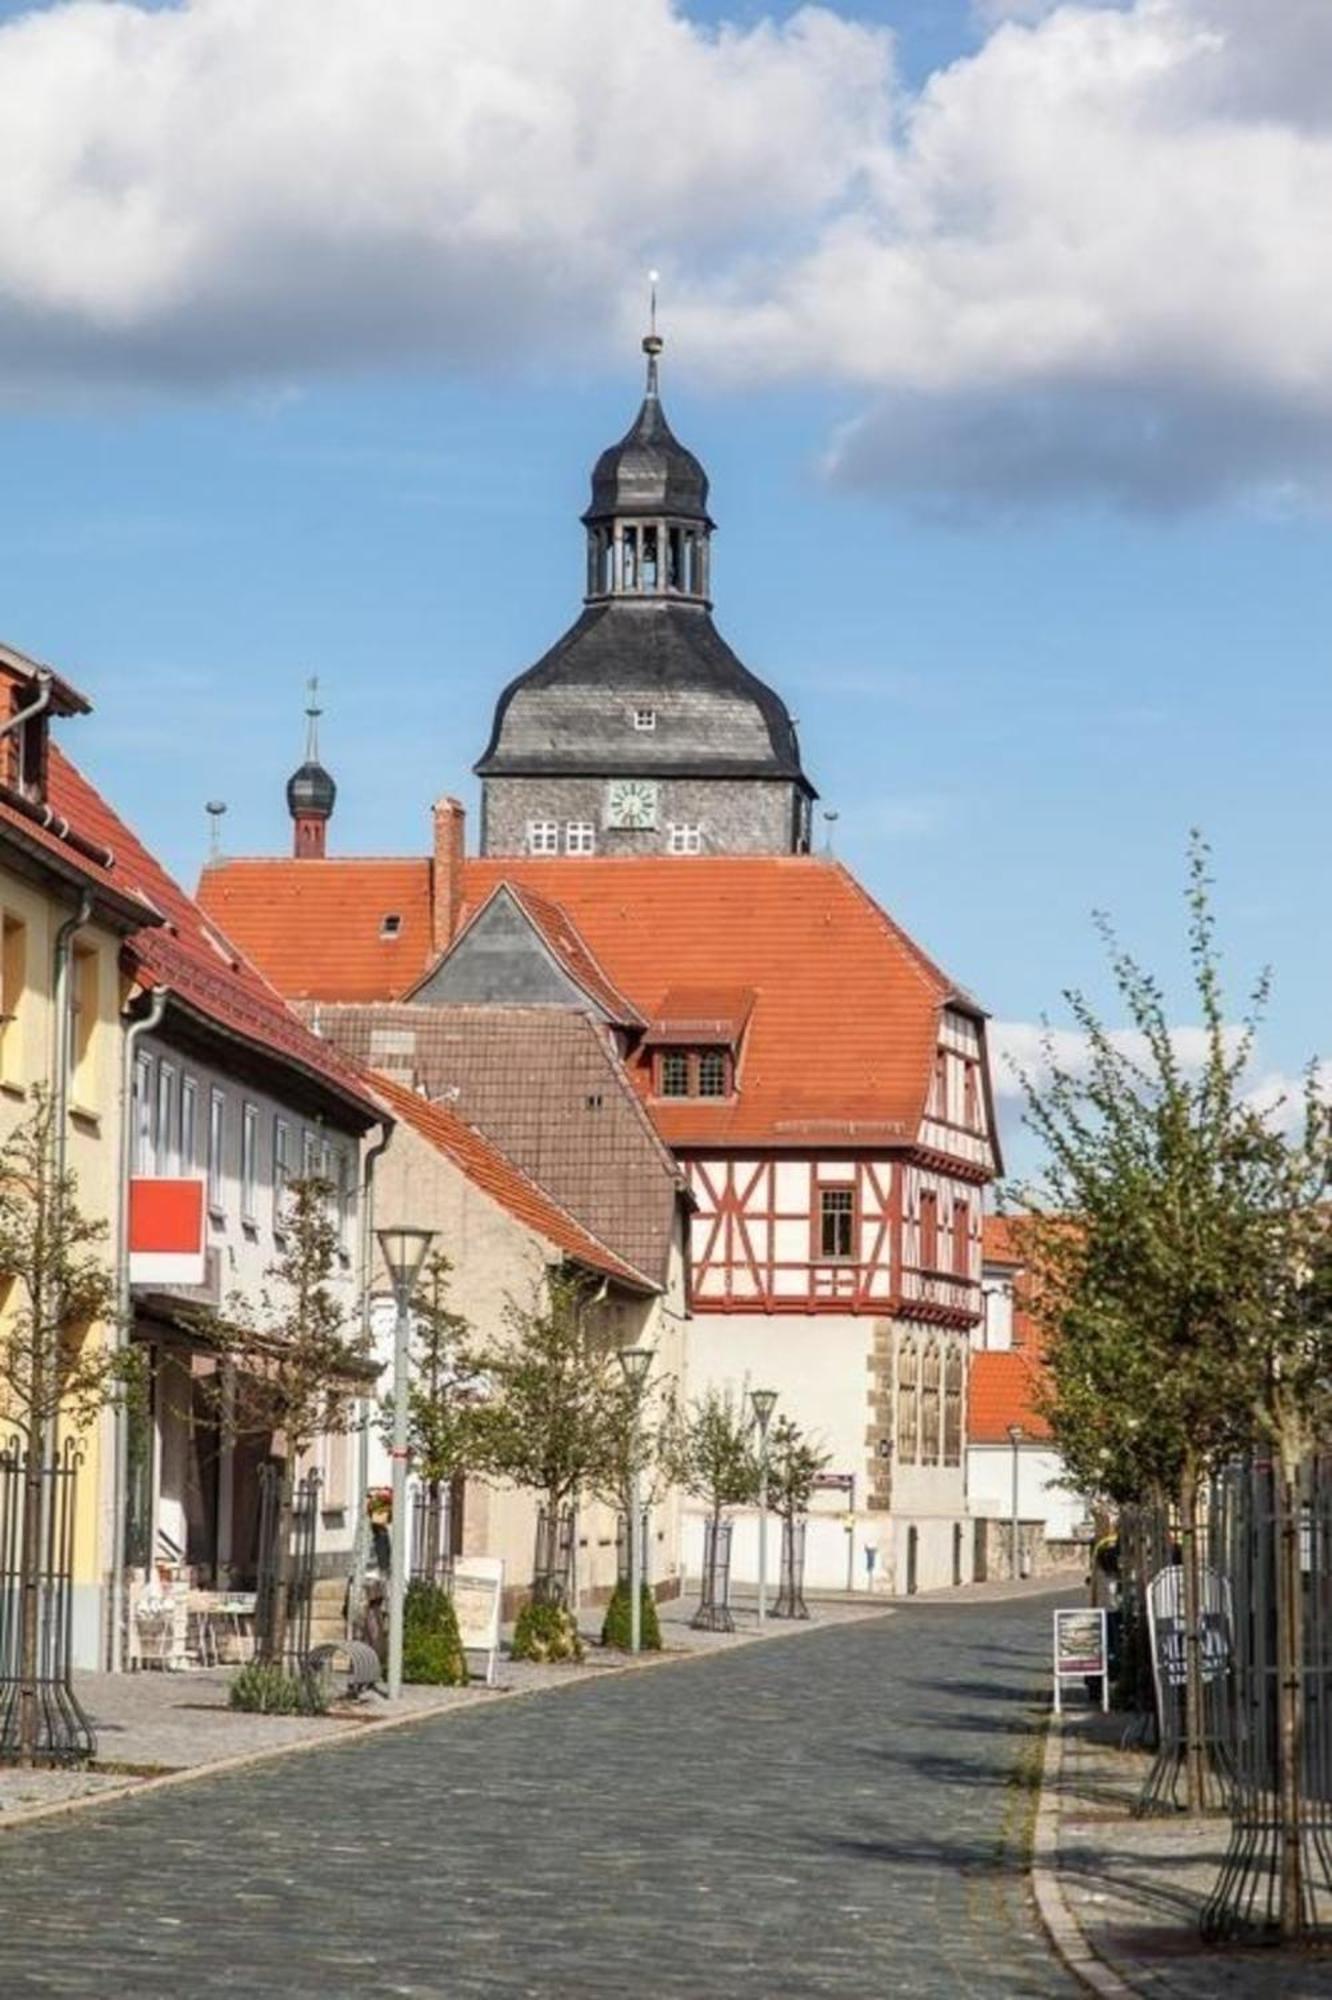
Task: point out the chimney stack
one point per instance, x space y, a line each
446 883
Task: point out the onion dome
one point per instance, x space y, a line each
649 471
311 792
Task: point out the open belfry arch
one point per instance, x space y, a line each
820 1084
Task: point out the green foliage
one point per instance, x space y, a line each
442 1409
546 1633
644 1442
262 1687
793 1466
1177 1240
718 1461
432 1654
615 1629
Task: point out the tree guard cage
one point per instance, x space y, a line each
1274 1547
300 1572
791 1586
62 1734
714 1610
553 1556
431 1559
623 1566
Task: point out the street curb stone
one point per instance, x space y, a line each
1062 1927
245 1760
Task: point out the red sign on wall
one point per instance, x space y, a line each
166 1232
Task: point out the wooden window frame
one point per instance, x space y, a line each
580 836
693 1060
217 1150
249 1165
822 1189
928 1227
543 836
281 1171
961 1239
188 1145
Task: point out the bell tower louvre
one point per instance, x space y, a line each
640 731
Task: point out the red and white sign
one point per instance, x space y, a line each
166 1232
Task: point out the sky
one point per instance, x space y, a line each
1003 330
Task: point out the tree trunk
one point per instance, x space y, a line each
30 1604
1290 1699
1195 1748
282 1561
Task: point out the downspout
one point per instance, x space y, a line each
124 1307
361 1538
43 700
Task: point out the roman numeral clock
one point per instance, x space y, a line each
631 803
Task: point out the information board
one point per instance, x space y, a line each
478 1592
1081 1651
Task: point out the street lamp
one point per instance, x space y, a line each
1015 1438
635 1362
404 1252
763 1401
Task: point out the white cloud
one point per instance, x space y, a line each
1090 258
1024 1048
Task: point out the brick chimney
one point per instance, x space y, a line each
446 875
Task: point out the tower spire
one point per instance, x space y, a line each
311 792
313 712
652 341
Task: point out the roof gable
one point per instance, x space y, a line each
520 949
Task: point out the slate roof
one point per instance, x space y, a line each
187 953
649 472
541 1083
566 715
568 948
488 1169
839 1045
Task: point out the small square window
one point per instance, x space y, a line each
712 1073
682 839
580 837
645 718
390 925
543 836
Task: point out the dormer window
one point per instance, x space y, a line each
390 925
694 1073
645 718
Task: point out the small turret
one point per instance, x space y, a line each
311 792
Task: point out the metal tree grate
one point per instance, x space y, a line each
791 1590
553 1556
62 1733
300 1573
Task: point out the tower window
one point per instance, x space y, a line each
674 559
629 559
683 839
645 718
580 837
543 836
649 544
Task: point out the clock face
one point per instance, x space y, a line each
631 802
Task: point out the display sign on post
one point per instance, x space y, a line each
1081 1651
478 1592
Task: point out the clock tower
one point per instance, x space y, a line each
640 732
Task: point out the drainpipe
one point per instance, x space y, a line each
361 1538
43 700
124 1307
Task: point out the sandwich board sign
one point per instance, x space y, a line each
478 1591
1081 1651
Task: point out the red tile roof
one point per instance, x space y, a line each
701 1015
839 1047
488 1168
1004 1385
188 954
998 1243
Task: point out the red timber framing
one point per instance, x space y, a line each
758 1237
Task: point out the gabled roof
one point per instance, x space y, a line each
561 938
701 1016
488 1168
839 1046
185 952
1004 1386
317 927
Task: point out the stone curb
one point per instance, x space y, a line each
247 1759
1062 1926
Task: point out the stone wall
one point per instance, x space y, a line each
737 815
1036 1555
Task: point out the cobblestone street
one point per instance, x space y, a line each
842 1814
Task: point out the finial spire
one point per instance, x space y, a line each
652 341
313 711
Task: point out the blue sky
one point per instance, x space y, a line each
1021 676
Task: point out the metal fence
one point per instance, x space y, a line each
59 1731
553 1556
300 1569
623 1567
791 1587
714 1610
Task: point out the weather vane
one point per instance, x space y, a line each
314 711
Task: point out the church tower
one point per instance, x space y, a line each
640 732
311 792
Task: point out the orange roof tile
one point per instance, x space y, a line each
187 954
1004 1385
998 1244
840 1043
496 1175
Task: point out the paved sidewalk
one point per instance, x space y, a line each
1123 1896
156 1724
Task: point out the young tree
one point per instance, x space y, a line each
1150 1249
58 1364
643 1457
793 1466
294 1356
442 1411
545 1421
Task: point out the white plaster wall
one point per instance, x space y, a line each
1042 1496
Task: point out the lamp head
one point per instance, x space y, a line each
404 1252
764 1402
1015 1433
635 1362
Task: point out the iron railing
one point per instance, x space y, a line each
61 1732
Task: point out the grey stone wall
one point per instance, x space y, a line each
737 815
